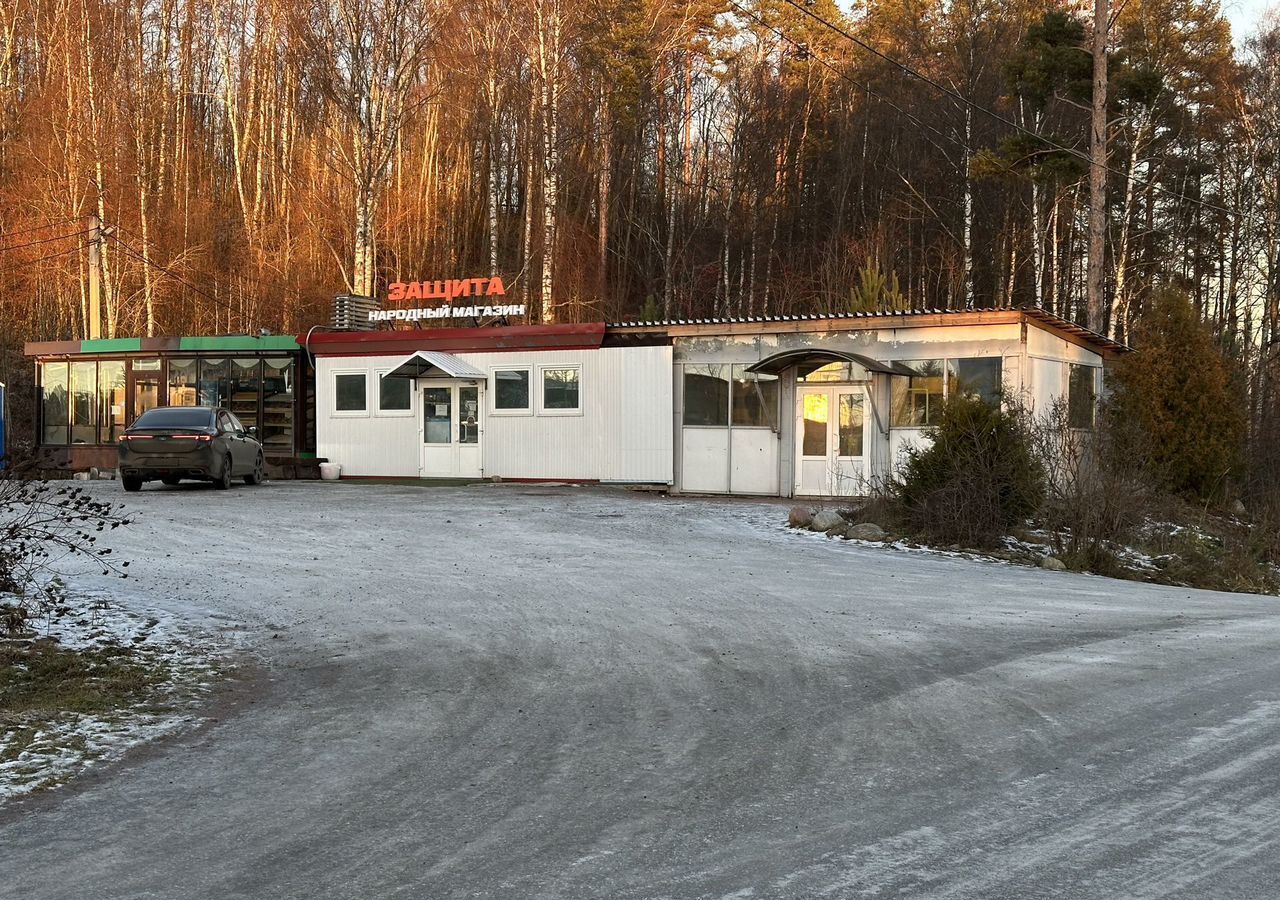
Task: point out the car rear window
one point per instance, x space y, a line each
174 418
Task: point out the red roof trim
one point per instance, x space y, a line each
585 336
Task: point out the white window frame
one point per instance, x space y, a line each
350 413
527 410
542 390
378 411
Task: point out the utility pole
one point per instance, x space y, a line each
95 278
1098 170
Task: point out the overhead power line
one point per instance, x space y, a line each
8 234
41 259
142 257
61 237
1005 120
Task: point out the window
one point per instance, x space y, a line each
917 401
148 389
110 400
214 385
236 425
979 378
468 414
437 415
837 371
349 392
394 394
851 424
53 403
182 382
84 401
245 381
817 426
276 432
560 390
511 390
1082 396
706 395
175 418
755 399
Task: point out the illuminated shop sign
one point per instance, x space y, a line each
449 290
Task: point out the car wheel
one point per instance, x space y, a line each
170 481
132 485
223 481
255 477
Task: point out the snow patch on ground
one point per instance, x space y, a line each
54 750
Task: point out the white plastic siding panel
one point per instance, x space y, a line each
368 444
1044 343
754 461
705 458
1048 383
623 433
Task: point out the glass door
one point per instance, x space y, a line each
830 440
451 428
145 386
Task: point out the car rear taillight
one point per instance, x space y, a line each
202 438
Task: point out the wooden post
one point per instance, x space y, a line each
95 278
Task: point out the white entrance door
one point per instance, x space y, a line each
831 438
451 427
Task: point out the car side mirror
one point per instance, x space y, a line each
253 430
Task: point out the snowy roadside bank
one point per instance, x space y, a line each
97 677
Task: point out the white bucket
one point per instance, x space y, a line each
330 471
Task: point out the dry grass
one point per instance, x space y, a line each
39 678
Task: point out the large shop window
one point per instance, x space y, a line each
511 390
84 402
706 395
111 394
53 403
244 390
349 391
276 431
978 378
755 399
394 394
1082 396
561 390
918 400
215 385
182 382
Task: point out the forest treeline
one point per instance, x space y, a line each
622 158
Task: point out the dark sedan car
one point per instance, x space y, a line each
203 443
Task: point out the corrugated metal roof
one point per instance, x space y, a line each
420 364
1054 322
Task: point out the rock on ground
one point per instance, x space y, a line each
825 520
866 531
800 517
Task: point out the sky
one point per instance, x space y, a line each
1244 15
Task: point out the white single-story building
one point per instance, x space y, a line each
795 406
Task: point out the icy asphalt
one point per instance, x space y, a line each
549 692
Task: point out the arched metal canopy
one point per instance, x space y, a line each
811 359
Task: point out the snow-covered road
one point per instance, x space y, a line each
528 692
